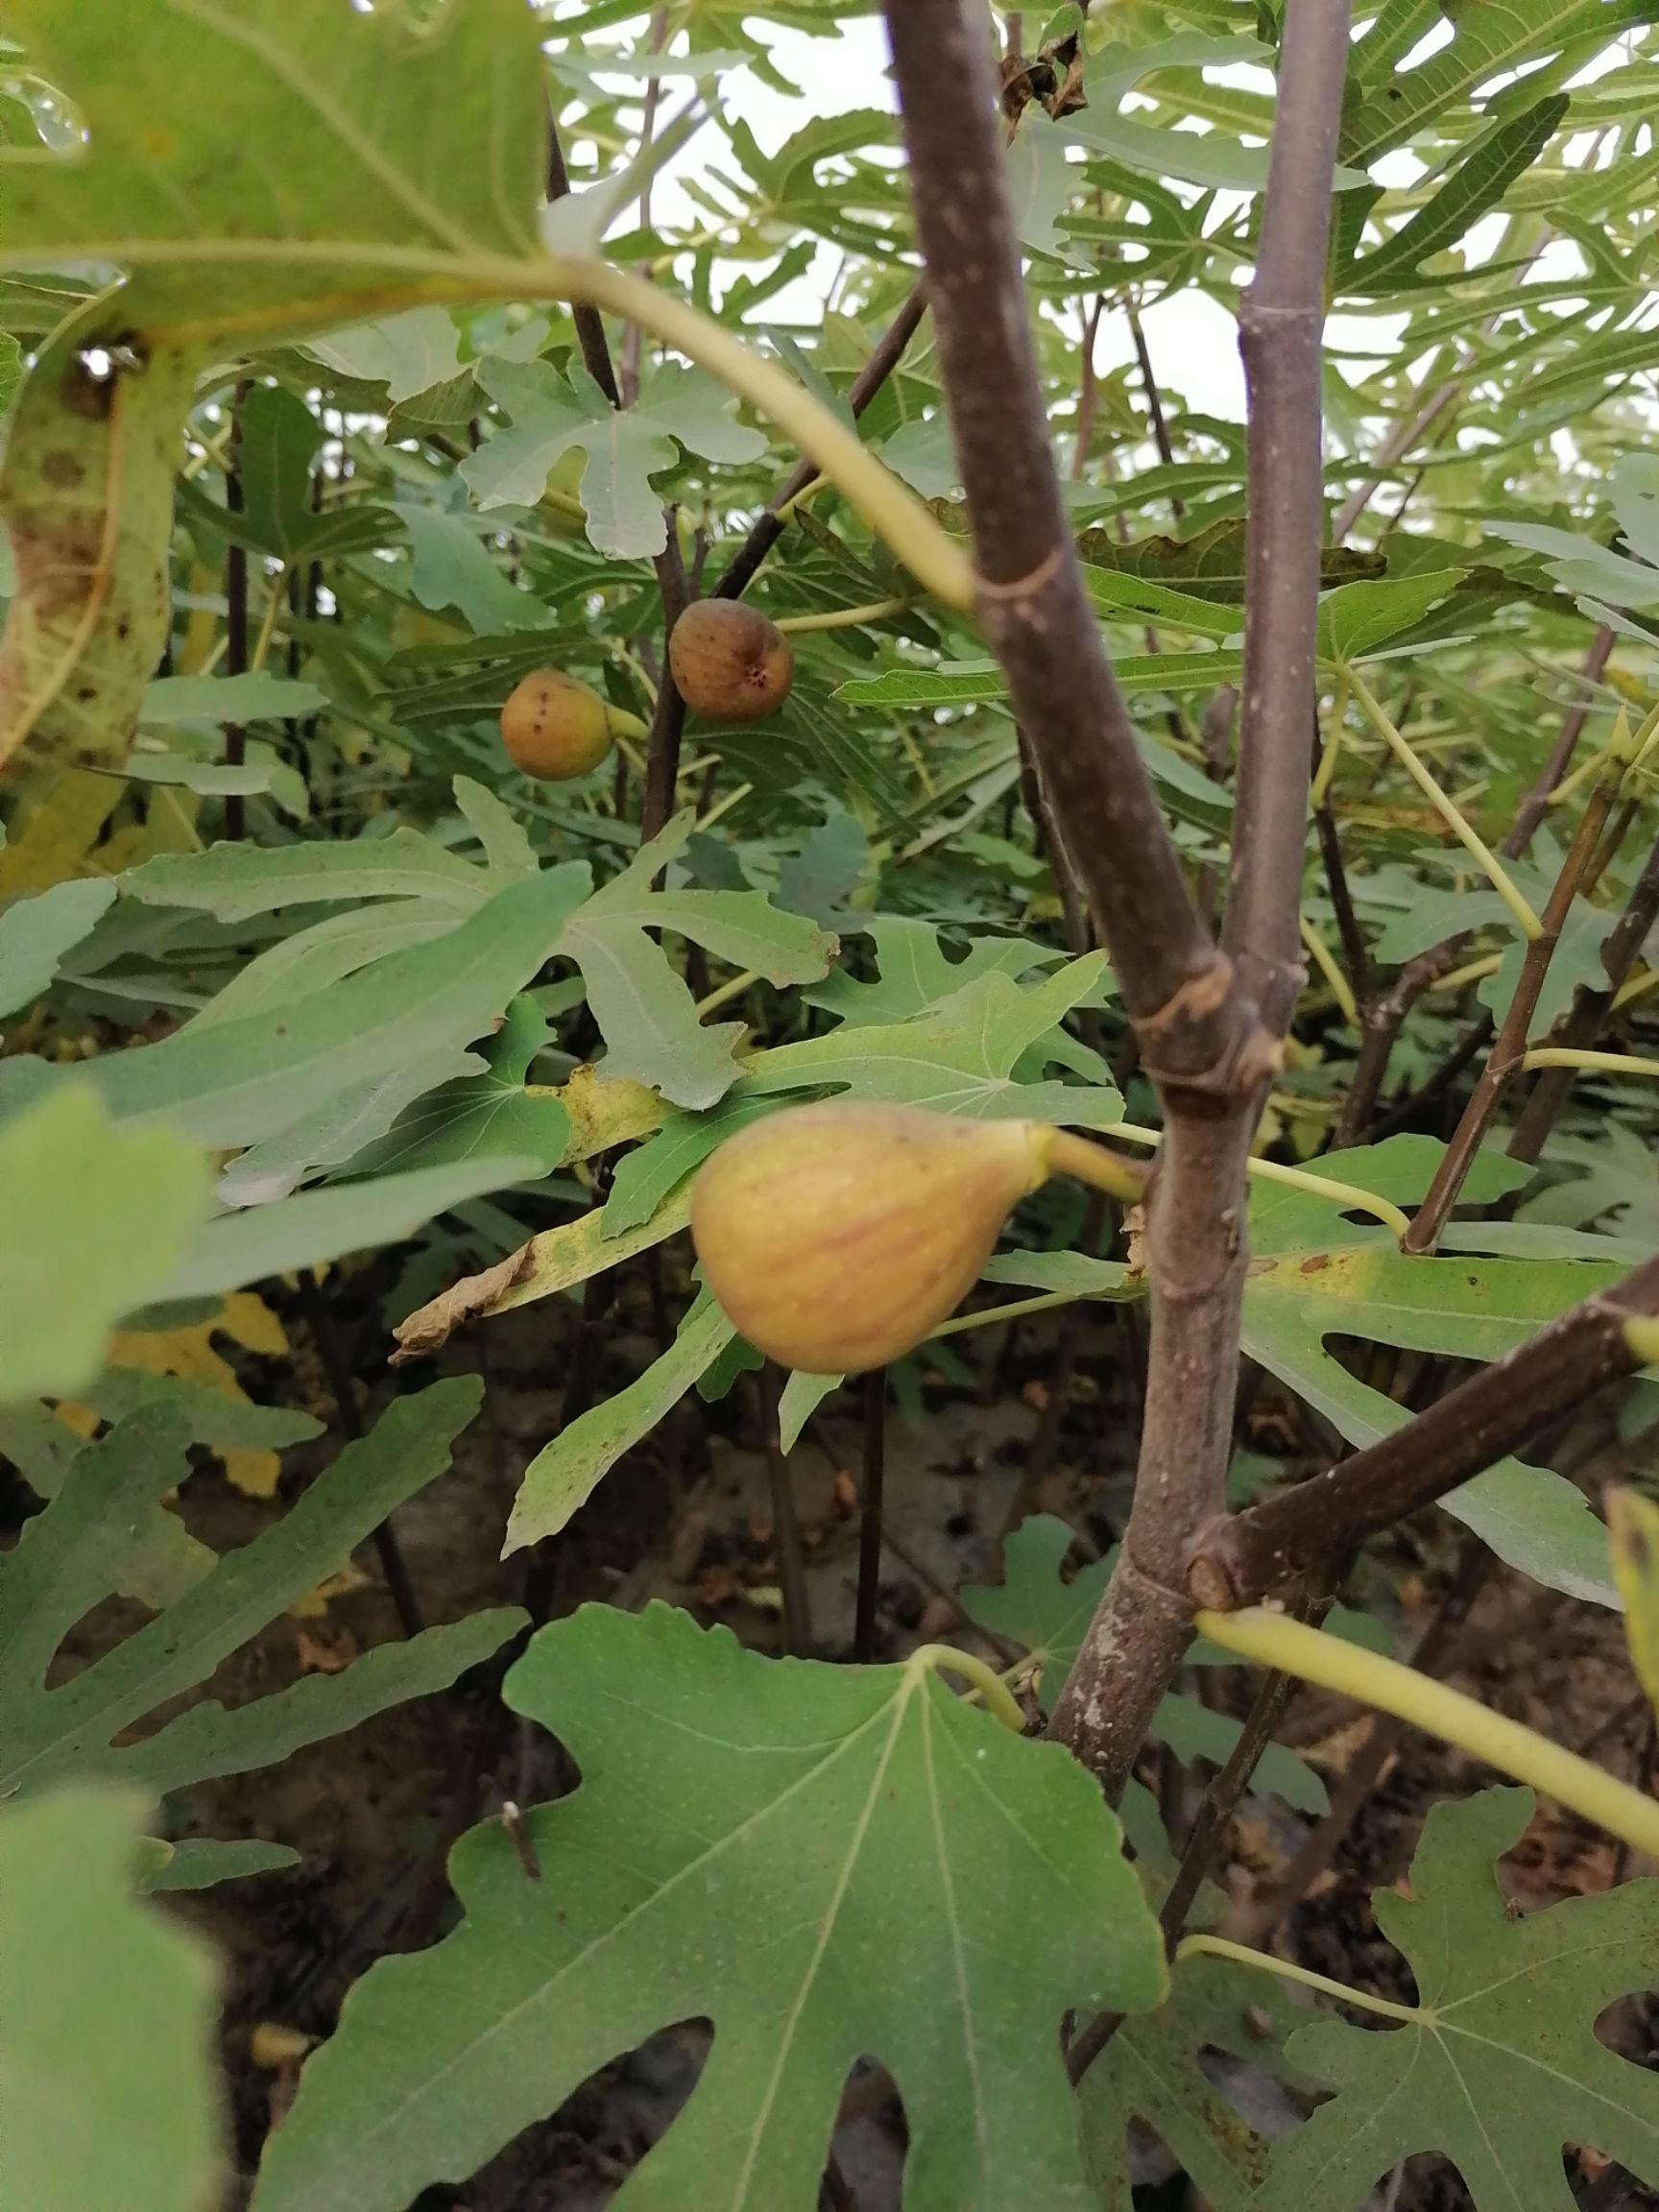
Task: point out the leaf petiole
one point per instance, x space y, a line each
1274 1640
1490 866
842 617
1218 1947
946 1659
890 507
1607 1063
1345 1194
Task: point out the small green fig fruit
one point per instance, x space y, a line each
836 1237
728 662
555 728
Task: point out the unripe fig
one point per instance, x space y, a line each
555 728
836 1237
728 662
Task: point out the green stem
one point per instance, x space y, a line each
1346 1195
842 617
946 1659
1274 1640
1490 866
734 988
1045 1303
416 276
890 508
1471 973
1063 1154
724 804
1609 1063
1326 772
1218 1947
1342 990
268 628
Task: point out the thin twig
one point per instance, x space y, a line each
630 379
668 717
589 324
235 610
740 570
342 1387
1581 1029
1534 806
1503 1061
1088 390
785 1525
1272 1701
1380 1019
1154 403
869 1516
1354 955
1395 446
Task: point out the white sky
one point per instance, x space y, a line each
1192 339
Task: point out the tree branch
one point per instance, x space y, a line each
1195 1030
1535 805
1509 1046
1196 1249
1280 318
1237 1561
1380 1019
1201 1035
740 571
1585 1019
589 324
668 717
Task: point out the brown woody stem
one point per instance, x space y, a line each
1509 1046
1381 1019
1587 1017
1237 1561
1196 1250
740 571
1033 605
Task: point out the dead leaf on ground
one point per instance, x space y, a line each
344 1582
327 1652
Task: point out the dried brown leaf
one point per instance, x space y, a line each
430 1327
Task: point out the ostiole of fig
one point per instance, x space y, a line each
836 1237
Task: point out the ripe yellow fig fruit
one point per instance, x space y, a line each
728 662
555 728
836 1237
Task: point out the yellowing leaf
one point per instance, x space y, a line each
604 1112
60 815
86 493
190 1352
